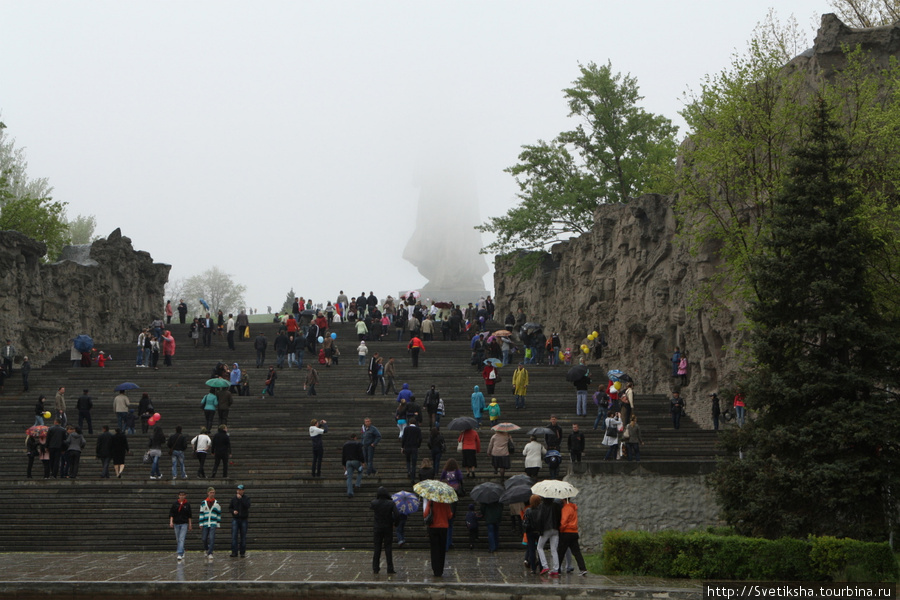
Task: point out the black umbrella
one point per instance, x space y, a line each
541 431
308 313
486 493
576 372
517 493
519 479
462 424
532 326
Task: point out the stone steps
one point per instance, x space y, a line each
271 451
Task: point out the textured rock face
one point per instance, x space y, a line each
641 503
633 280
106 290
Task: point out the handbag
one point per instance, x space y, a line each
510 446
147 458
459 446
612 431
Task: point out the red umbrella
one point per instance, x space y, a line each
507 427
37 430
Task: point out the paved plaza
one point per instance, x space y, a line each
342 574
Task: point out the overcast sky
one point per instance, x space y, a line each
283 141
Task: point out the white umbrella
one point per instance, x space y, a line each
554 488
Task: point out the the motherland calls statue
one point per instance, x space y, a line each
444 246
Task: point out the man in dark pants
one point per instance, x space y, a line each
182 311
84 405
576 444
104 452
240 511
410 442
221 447
56 441
386 516
676 405
260 344
208 325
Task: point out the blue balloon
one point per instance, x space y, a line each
321 339
334 336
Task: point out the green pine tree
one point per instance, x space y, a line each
820 456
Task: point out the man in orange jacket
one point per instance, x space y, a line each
414 346
568 536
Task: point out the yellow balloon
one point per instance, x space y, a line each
596 335
47 415
591 336
585 349
617 385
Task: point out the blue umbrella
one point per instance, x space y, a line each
493 361
126 386
83 343
407 502
203 302
615 374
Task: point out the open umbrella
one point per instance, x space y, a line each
577 372
37 430
531 326
487 492
520 479
493 361
444 304
503 333
517 493
407 502
83 343
126 386
462 424
507 427
204 303
541 431
436 491
554 488
615 374
218 382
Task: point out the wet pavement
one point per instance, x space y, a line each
341 574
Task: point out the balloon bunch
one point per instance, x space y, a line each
154 419
591 337
616 387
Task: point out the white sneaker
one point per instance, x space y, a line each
180 557
209 557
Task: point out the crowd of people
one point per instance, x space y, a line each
304 332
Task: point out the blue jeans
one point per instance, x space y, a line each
676 419
353 466
147 357
238 530
120 420
208 537
506 357
292 358
140 357
362 359
178 462
369 453
520 401
38 419
279 358
601 417
180 535
401 528
740 413
581 403
154 466
493 531
634 451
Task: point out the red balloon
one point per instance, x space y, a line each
157 416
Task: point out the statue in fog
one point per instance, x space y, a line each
445 245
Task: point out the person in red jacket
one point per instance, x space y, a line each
437 534
414 346
471 446
568 536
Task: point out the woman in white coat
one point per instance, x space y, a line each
534 455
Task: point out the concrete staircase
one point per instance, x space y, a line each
271 447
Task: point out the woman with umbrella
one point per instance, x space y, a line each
471 446
498 449
534 455
36 446
438 514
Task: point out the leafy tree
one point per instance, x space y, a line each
288 302
81 229
217 288
821 458
617 151
25 204
867 13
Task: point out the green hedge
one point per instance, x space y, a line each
701 555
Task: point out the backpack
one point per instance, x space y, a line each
322 360
472 521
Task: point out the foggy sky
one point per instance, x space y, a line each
280 140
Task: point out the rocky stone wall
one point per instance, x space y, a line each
107 290
635 281
641 501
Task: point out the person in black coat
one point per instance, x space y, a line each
104 451
410 442
221 447
386 516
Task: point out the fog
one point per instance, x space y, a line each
294 144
